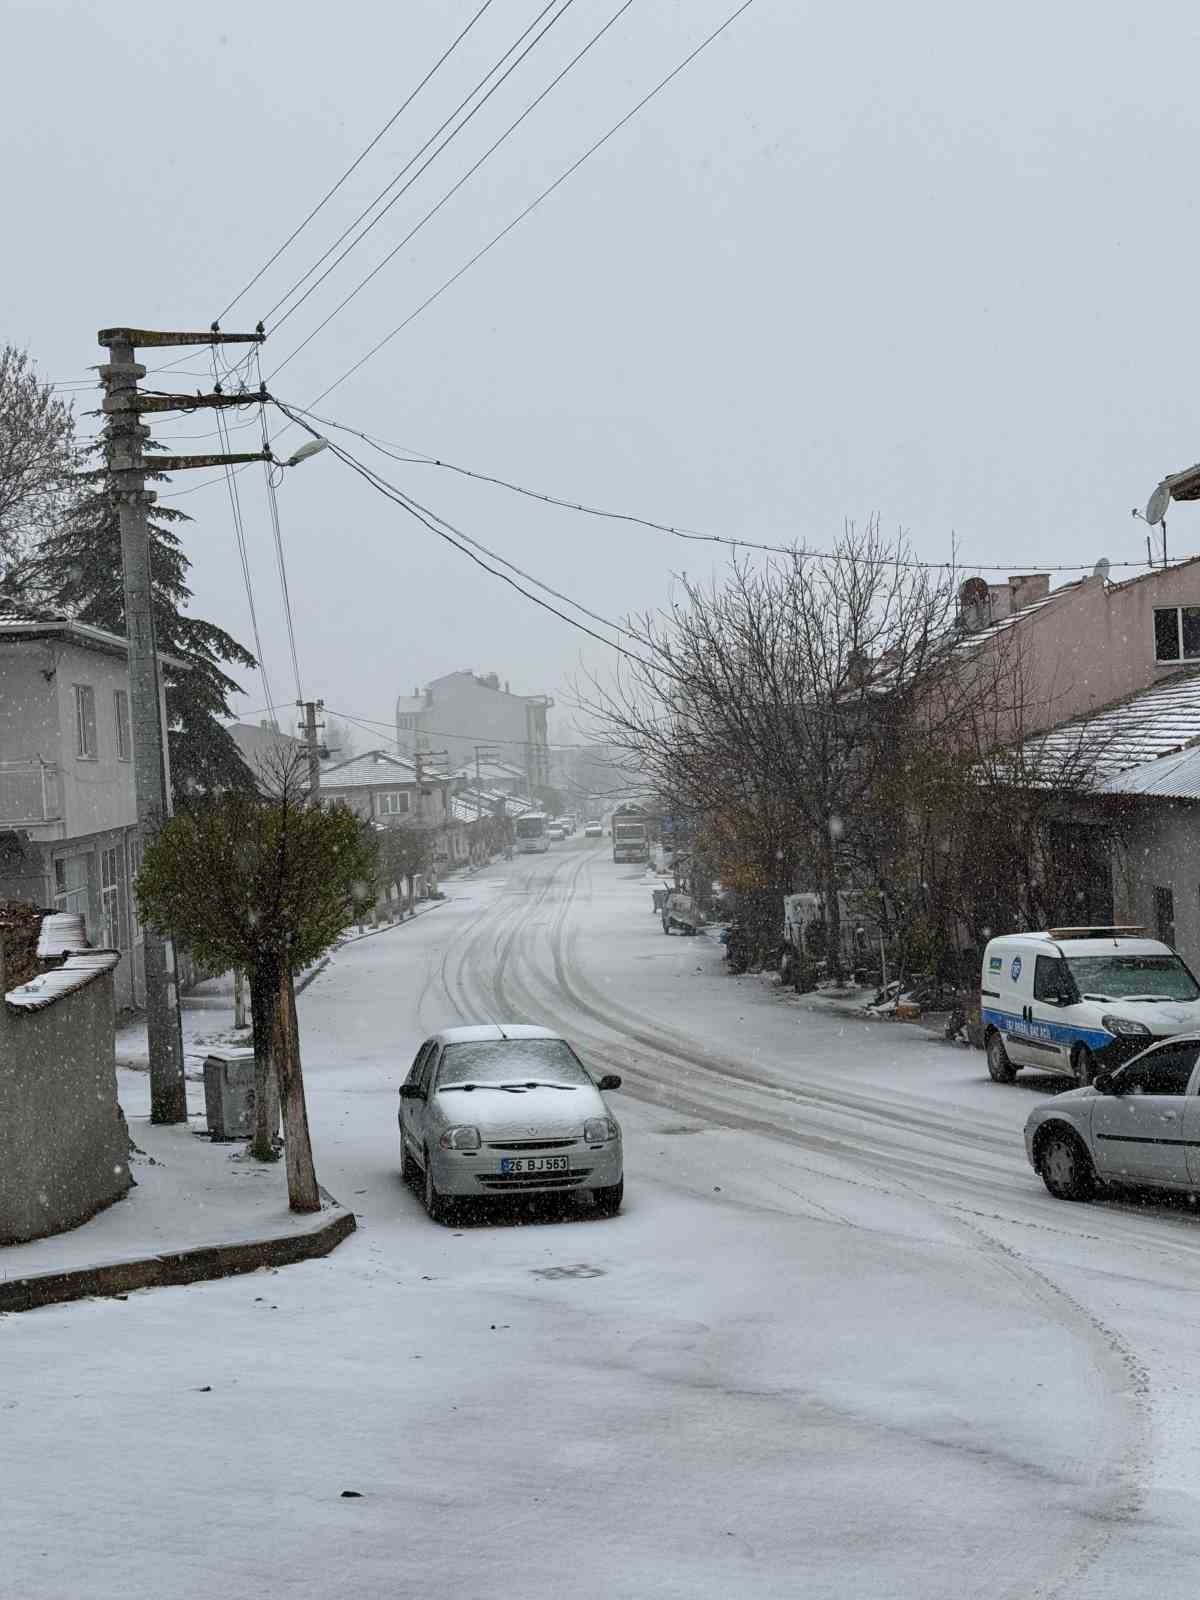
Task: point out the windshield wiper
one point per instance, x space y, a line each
1105 999
1138 998
537 1084
444 1088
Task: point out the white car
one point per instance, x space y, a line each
1138 1126
594 830
502 1109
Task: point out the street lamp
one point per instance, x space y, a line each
312 448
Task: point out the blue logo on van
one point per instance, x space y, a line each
1015 970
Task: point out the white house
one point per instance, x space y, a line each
68 811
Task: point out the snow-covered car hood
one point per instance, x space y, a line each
1167 1017
523 1113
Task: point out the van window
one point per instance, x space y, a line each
1127 977
1052 979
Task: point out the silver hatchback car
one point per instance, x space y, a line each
504 1109
1139 1126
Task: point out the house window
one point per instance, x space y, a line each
112 899
1164 915
1177 633
121 718
71 886
85 721
393 805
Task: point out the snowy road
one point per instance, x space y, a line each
839 1343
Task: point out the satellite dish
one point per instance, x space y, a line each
1100 570
1156 506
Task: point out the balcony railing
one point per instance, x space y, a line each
30 793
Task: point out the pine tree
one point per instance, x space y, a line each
77 568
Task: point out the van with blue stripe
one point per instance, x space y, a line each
1079 1000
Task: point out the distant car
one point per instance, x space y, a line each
556 830
594 830
1138 1126
502 1109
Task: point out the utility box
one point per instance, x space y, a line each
229 1093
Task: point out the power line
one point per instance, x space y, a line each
417 458
280 561
388 187
453 190
418 513
240 539
545 194
451 733
328 195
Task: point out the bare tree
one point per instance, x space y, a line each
37 458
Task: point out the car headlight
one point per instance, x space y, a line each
463 1137
599 1130
1126 1027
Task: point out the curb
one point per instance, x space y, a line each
391 927
196 1265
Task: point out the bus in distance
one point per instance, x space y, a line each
531 835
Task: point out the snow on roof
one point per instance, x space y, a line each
61 935
1142 728
75 972
1175 777
26 622
374 769
972 641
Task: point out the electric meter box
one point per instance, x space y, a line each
229 1093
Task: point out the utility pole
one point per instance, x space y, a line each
310 709
483 752
125 436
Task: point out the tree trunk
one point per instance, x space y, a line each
833 910
264 1014
303 1193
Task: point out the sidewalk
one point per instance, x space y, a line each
199 1210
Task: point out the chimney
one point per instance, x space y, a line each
1025 589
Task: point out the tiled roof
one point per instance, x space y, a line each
1144 727
375 769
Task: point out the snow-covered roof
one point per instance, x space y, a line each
26 622
972 641
376 769
1174 777
76 971
469 805
61 934
1141 729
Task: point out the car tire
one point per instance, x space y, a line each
1065 1166
1000 1068
440 1209
409 1170
666 922
1084 1065
608 1201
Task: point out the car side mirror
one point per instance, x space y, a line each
411 1091
1105 1083
610 1080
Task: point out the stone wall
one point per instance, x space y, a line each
64 1146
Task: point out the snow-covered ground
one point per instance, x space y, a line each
839 1343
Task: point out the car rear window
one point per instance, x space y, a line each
511 1061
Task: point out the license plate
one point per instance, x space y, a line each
528 1164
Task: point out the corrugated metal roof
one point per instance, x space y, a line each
1175 777
61 934
73 974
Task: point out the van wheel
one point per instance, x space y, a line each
1084 1063
1000 1068
1065 1166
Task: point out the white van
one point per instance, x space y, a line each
1076 1000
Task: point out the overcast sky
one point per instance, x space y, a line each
927 259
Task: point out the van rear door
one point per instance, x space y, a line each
1007 993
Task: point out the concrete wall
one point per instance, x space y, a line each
462 712
65 1149
1161 847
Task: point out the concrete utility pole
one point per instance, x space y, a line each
127 468
483 752
310 709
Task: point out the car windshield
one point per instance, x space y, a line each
1129 977
511 1061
